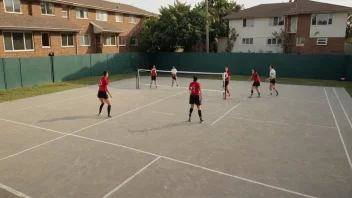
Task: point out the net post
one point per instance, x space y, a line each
224 83
137 78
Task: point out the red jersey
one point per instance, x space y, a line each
194 87
228 76
153 72
103 84
255 77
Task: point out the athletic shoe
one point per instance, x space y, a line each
189 120
270 94
250 96
229 96
109 116
277 93
100 114
202 121
258 96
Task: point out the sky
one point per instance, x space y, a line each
154 5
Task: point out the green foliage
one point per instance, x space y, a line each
349 30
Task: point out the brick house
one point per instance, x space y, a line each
68 27
305 26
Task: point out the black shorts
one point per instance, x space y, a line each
226 83
194 99
174 77
273 81
103 94
153 78
256 84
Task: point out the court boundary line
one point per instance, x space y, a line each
338 129
168 158
279 123
226 113
338 98
13 191
130 178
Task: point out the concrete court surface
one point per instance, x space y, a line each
298 144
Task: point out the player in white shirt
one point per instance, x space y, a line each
272 79
174 76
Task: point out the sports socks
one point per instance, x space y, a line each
190 112
101 108
109 110
200 114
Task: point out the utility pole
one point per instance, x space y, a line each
207 26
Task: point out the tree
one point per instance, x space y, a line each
349 30
177 26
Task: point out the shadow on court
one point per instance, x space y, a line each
70 118
167 126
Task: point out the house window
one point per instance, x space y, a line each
276 21
119 17
300 41
85 40
67 40
101 16
109 40
134 41
81 13
45 40
293 24
133 19
18 41
248 22
322 41
274 41
47 8
247 41
122 40
12 6
321 19
64 12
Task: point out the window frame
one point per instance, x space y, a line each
24 40
248 23
116 16
135 19
272 43
46 8
62 11
48 38
110 35
330 17
299 44
272 21
249 41
73 37
101 12
13 6
136 41
325 39
85 13
89 40
120 38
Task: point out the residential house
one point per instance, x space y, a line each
68 27
303 26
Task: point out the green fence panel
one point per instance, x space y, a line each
64 68
2 76
13 73
349 68
82 63
99 64
35 71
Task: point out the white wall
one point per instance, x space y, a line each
336 29
260 33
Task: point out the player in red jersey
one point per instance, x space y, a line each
103 93
256 83
153 74
195 98
227 81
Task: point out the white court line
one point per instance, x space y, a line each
13 191
128 112
130 178
156 155
262 121
225 114
213 90
169 114
349 121
33 126
240 178
338 128
313 101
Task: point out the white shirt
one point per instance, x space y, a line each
225 75
272 74
174 71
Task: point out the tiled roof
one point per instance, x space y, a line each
294 8
21 22
106 27
106 5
